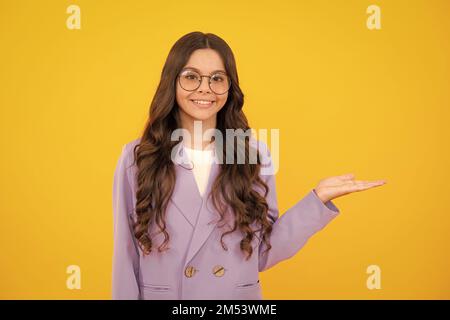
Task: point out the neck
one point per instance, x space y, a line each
198 139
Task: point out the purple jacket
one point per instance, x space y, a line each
196 266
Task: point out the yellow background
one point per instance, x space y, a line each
345 98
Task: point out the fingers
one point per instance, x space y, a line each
367 181
351 176
353 186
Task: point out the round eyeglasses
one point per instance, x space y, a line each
190 80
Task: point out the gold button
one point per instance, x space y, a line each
218 271
189 271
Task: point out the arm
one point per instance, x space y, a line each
291 231
125 268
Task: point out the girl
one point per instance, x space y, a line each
187 225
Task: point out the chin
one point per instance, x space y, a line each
201 115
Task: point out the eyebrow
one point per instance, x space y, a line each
222 71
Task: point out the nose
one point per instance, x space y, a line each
204 85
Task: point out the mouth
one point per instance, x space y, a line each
202 103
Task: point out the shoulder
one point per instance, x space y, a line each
260 145
129 146
267 167
128 151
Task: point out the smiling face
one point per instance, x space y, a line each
201 104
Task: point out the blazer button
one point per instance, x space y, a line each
189 271
218 271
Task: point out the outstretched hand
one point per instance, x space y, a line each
333 187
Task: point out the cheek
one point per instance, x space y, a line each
221 100
181 97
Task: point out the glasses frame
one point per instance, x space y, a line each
201 79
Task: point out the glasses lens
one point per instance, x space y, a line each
220 83
189 80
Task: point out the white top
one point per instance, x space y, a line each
202 160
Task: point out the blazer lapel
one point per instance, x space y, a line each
199 211
185 194
207 217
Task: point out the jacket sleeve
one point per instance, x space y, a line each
125 269
291 231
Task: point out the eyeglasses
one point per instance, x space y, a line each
190 80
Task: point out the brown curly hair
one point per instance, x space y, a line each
233 188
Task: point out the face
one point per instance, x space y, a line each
202 104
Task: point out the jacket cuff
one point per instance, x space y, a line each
329 204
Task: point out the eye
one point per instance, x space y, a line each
218 78
188 75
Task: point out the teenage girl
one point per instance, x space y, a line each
189 223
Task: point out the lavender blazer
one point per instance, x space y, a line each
196 266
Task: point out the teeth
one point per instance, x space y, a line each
202 101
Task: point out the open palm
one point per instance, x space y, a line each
333 187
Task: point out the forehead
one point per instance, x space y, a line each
205 60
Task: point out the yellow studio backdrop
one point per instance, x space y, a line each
345 98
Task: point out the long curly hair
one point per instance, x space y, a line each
234 185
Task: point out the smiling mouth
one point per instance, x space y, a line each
203 103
